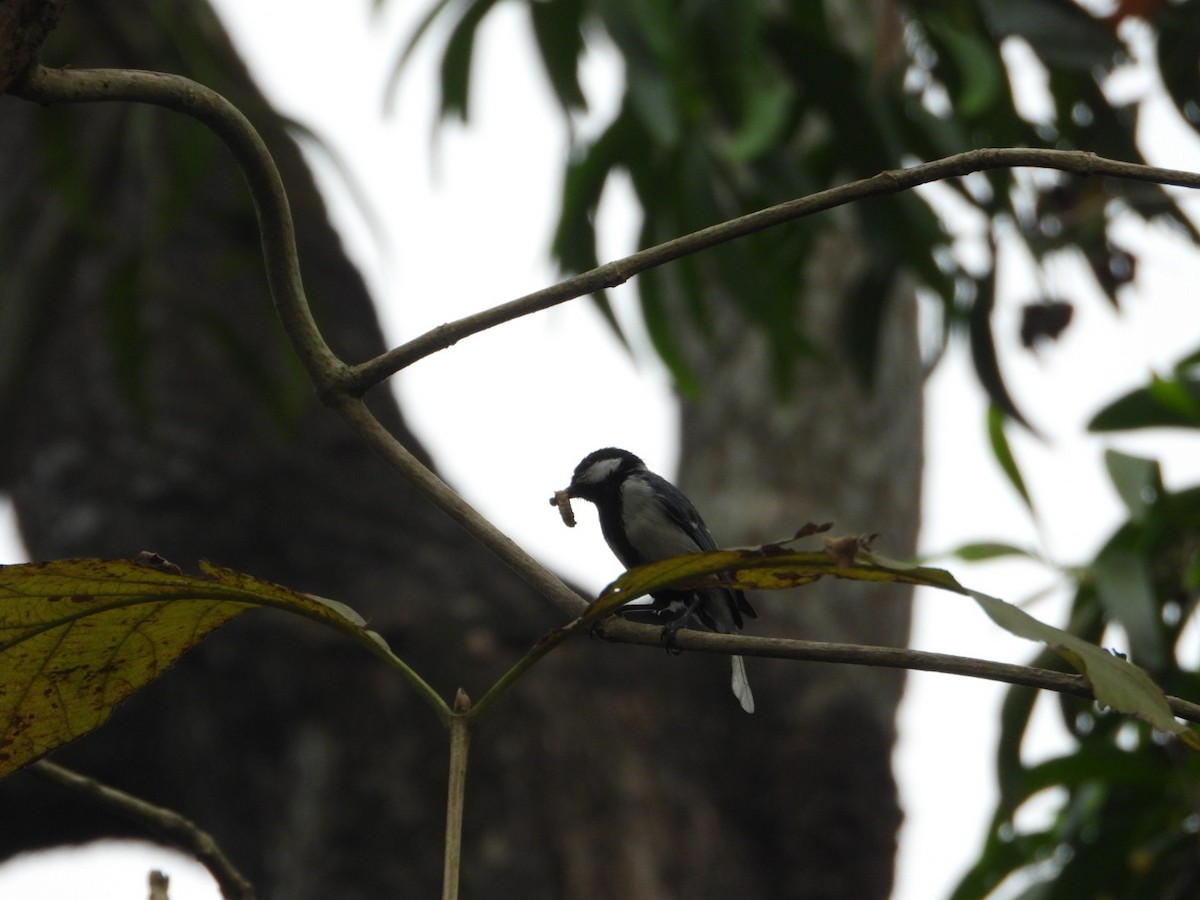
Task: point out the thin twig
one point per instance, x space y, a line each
340 386
369 429
159 886
526 662
623 631
460 739
361 377
328 373
164 823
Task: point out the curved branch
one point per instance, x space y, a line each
340 385
226 121
163 823
395 454
625 632
24 27
328 373
363 376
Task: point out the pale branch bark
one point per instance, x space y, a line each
326 370
622 631
329 373
339 385
456 790
24 25
371 431
160 886
365 375
162 823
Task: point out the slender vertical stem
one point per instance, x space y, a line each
460 737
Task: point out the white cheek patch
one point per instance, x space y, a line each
598 471
654 533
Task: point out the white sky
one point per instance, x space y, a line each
471 229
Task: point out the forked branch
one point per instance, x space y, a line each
341 386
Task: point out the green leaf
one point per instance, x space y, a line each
1061 33
1138 482
78 636
1116 682
457 59
983 350
1164 403
1126 590
427 21
1003 453
661 327
1178 35
1180 394
587 173
984 551
1096 780
558 28
768 114
983 81
654 102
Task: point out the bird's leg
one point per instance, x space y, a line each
672 628
643 614
597 629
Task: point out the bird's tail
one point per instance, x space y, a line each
741 687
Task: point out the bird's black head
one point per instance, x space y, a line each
602 471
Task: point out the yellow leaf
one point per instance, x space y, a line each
1116 682
78 636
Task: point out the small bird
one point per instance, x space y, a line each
645 518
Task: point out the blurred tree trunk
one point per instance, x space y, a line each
150 402
829 449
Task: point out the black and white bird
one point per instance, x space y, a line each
645 518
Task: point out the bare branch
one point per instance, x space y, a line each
367 427
159 886
361 377
340 385
456 789
163 823
24 27
328 373
617 629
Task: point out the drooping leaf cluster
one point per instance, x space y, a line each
1115 683
1126 824
728 108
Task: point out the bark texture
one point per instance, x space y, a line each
830 449
149 402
